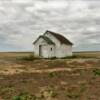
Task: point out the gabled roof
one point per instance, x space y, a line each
45 38
61 38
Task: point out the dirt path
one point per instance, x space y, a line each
18 71
10 67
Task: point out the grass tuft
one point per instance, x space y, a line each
96 72
70 57
24 96
28 58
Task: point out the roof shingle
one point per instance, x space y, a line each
61 38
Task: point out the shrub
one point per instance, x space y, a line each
28 58
16 98
24 96
52 74
73 96
75 92
53 58
70 57
49 92
6 89
96 72
53 94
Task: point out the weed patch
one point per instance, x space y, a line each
48 93
24 96
5 89
70 57
28 58
53 74
75 93
96 72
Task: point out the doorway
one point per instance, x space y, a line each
40 50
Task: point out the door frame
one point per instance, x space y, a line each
40 50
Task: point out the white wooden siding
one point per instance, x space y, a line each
58 50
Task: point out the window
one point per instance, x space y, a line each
51 49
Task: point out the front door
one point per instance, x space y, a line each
43 51
40 50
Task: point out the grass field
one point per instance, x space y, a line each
88 54
50 79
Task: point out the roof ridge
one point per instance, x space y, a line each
60 37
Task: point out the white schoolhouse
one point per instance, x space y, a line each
52 44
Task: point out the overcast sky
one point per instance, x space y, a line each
22 21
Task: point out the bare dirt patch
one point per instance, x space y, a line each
44 79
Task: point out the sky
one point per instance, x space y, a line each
22 21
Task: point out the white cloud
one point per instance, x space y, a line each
2 8
24 20
30 8
21 1
91 29
93 41
51 5
78 9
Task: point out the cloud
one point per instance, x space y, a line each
25 20
51 5
21 1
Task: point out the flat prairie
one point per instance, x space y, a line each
76 78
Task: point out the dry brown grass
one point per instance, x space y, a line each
88 54
58 79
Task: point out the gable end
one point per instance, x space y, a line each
45 38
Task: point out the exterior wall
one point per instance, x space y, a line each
47 51
57 44
36 46
66 50
61 50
